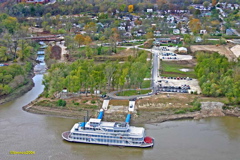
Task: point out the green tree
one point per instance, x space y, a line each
3 54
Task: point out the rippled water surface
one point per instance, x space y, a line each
207 139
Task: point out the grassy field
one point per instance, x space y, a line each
148 74
172 69
146 84
133 92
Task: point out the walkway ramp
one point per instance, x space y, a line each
128 118
131 106
105 104
100 115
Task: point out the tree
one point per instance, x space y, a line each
114 38
87 40
79 39
214 2
130 8
122 7
149 35
206 4
25 50
195 25
90 28
205 37
109 71
197 12
161 3
191 9
89 52
3 54
9 23
179 25
187 38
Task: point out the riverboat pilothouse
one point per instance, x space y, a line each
95 131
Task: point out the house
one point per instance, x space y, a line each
182 50
170 18
176 31
183 30
157 33
198 39
149 10
203 31
175 39
236 6
127 34
201 7
162 40
121 28
172 25
138 33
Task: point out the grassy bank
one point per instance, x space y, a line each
172 69
133 92
146 84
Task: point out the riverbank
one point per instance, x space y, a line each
145 112
18 92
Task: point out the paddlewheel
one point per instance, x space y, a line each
148 140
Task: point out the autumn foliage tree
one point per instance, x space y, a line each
195 25
214 2
79 39
130 8
87 40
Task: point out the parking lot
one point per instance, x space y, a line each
170 53
178 84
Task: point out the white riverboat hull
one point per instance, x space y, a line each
65 136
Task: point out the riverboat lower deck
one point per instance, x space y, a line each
95 131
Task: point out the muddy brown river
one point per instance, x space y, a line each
206 139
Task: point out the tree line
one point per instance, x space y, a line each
85 75
218 77
94 6
14 50
13 76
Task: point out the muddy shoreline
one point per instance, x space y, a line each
144 117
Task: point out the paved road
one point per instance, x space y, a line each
155 74
155 68
235 32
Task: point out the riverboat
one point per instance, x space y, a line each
96 131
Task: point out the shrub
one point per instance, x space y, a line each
85 101
94 107
180 112
61 102
93 101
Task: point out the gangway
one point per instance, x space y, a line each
100 115
105 104
131 106
128 118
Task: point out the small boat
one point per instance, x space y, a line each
96 131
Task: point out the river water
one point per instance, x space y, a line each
206 139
